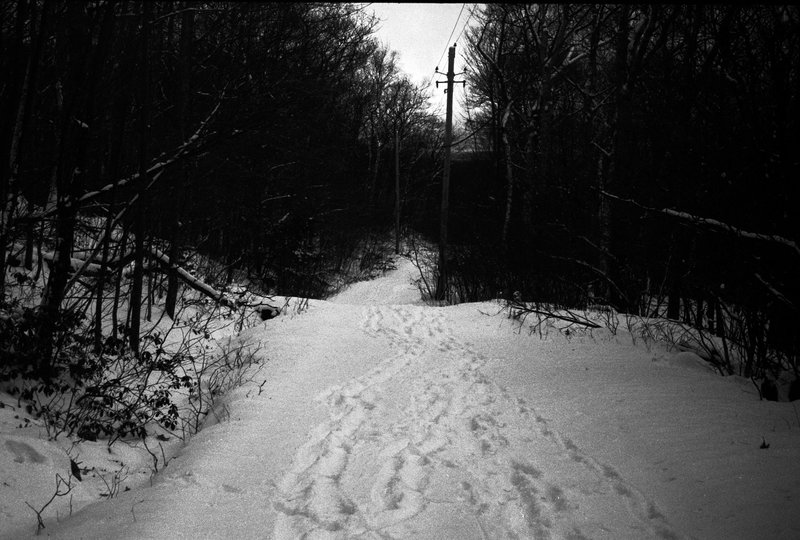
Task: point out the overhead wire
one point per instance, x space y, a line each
461 33
464 27
471 14
447 44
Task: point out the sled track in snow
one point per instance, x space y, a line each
426 428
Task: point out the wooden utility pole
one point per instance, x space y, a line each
396 190
441 286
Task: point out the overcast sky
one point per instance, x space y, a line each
419 33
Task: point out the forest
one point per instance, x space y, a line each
252 133
634 158
643 158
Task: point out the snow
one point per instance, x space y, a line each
375 416
397 287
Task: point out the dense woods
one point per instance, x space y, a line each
634 156
643 157
258 135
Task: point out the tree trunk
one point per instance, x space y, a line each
698 321
10 166
720 326
673 303
509 173
617 171
117 136
144 120
186 39
396 191
76 99
123 243
16 87
172 272
135 306
150 283
604 227
115 156
30 238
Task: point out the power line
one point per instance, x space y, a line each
447 44
471 13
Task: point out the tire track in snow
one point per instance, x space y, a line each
425 433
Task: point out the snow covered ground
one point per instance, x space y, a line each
379 417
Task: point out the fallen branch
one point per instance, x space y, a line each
79 264
83 265
204 288
193 281
518 307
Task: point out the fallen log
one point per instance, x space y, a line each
76 263
193 281
88 268
266 311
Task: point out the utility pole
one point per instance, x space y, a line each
441 286
396 190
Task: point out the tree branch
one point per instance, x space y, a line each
193 281
711 223
154 171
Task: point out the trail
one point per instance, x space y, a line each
425 445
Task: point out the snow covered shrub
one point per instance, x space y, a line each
19 351
23 354
374 257
424 256
108 396
80 392
546 316
124 397
213 375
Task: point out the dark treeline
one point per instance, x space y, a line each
259 134
641 156
637 156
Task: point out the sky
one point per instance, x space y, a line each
419 33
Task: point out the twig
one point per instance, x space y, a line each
133 513
571 318
116 482
59 482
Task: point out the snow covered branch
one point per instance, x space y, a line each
774 291
204 288
711 223
161 163
154 172
77 264
193 281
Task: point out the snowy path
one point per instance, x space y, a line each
425 443
377 417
